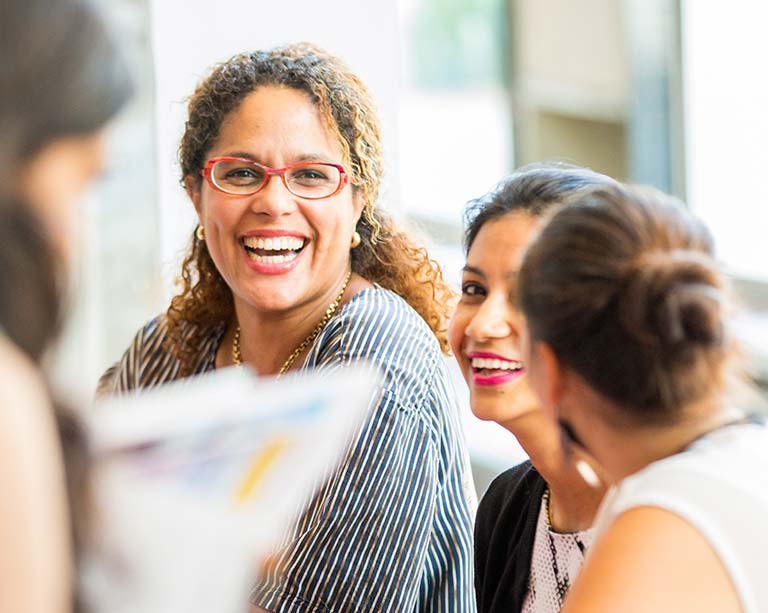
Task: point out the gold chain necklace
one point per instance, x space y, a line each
237 357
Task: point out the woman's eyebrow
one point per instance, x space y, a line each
473 270
511 275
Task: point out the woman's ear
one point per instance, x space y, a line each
192 188
358 204
548 376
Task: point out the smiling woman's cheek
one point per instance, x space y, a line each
456 327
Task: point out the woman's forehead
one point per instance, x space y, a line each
504 239
281 121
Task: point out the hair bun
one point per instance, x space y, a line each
674 300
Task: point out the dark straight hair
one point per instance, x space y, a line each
535 189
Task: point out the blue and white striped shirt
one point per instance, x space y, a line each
391 529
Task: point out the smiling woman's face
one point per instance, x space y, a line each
277 251
486 329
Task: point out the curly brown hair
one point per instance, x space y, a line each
386 255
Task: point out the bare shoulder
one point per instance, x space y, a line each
33 513
28 436
650 559
21 383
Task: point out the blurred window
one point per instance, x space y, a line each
724 57
119 285
455 138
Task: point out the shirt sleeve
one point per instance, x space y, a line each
107 382
121 376
361 543
143 364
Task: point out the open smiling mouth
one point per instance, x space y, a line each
493 367
273 250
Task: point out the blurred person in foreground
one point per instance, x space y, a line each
61 80
628 344
533 525
295 265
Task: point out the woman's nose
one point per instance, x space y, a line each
492 320
273 199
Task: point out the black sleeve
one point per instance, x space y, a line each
505 528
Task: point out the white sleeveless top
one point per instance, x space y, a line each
719 485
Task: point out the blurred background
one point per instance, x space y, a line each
670 93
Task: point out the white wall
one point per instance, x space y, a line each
724 60
190 35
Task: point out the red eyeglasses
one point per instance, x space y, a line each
244 177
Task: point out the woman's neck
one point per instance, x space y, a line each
635 446
267 339
573 503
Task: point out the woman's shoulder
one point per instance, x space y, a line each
385 320
152 336
729 463
516 486
154 329
666 509
376 300
149 341
21 383
26 412
34 530
148 361
378 327
505 528
728 455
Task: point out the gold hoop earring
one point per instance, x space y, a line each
356 239
200 233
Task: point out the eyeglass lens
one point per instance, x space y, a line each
311 180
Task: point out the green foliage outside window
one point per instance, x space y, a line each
458 44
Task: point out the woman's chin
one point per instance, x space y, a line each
268 302
501 412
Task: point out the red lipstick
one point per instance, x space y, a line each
498 376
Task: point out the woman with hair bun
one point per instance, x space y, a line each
295 265
628 344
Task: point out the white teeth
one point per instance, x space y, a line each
280 243
272 259
495 364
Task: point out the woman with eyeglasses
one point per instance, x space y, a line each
628 345
294 265
62 80
533 524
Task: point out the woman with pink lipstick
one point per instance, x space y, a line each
295 265
533 524
629 346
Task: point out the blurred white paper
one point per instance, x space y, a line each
196 481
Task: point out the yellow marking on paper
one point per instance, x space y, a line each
261 464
